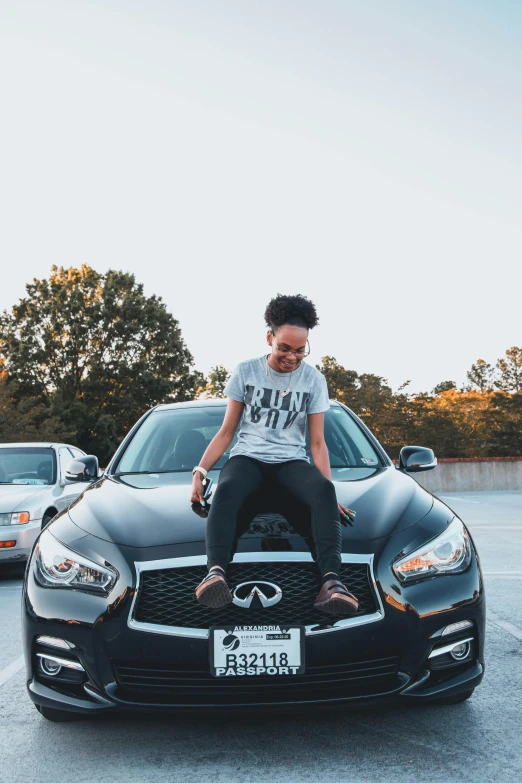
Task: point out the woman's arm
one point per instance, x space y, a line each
217 446
321 458
317 444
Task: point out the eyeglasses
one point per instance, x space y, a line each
300 354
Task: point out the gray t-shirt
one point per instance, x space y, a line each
273 427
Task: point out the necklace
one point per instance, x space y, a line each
268 372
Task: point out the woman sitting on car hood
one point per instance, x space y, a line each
276 397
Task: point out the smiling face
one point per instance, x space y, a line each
287 338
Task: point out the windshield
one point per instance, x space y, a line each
173 440
27 465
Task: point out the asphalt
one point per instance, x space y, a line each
478 740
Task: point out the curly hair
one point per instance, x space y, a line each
295 310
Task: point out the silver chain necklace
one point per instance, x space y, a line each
269 373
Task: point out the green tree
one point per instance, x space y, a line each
217 380
510 370
342 383
481 376
504 425
26 418
97 352
432 423
370 397
444 386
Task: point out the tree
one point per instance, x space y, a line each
342 383
25 419
96 352
217 380
444 386
510 369
504 426
481 376
434 422
370 397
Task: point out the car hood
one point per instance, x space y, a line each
147 511
12 496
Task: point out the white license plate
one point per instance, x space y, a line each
252 650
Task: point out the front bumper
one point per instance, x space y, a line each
24 537
378 662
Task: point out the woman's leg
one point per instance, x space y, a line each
304 485
239 479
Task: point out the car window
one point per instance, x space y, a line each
65 456
75 452
27 465
348 446
175 439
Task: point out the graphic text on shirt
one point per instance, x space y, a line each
267 404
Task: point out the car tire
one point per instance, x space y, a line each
57 716
458 699
46 519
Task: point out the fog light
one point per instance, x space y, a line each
49 662
460 651
50 667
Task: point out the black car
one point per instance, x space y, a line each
110 622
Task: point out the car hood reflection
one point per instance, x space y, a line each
155 510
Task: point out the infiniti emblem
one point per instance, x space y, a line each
257 595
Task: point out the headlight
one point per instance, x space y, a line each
18 518
449 553
58 566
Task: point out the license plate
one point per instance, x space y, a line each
253 650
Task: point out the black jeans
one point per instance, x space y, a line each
308 495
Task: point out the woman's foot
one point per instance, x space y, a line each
213 592
334 598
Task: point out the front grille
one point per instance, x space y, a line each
166 595
155 684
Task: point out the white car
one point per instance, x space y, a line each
33 489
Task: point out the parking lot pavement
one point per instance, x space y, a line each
475 741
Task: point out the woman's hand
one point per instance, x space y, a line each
347 515
198 488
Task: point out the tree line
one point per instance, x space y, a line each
84 354
482 419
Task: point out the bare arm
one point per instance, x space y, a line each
217 446
318 445
321 457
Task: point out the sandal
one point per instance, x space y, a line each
334 598
213 591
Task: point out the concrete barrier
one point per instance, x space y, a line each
473 475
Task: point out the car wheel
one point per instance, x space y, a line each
57 716
458 699
46 519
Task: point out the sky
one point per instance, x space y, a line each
366 154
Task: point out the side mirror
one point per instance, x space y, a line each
414 459
82 469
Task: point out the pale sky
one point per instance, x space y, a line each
365 153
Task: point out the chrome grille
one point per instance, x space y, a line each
165 596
